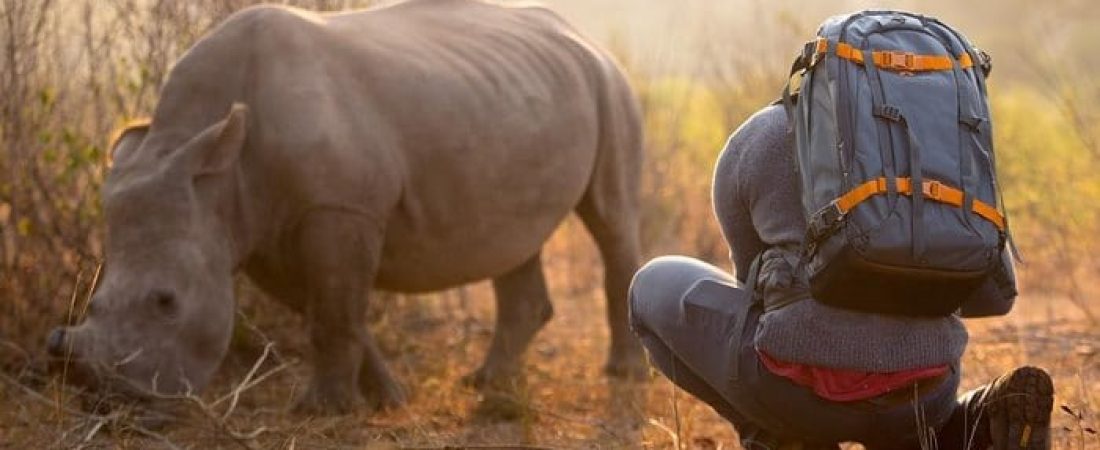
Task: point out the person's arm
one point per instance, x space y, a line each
731 208
756 192
757 199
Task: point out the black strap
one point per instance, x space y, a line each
842 72
1000 201
883 127
969 118
750 281
916 175
780 292
985 62
788 105
801 63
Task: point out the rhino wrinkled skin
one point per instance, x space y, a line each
409 148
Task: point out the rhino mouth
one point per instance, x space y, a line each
119 403
102 389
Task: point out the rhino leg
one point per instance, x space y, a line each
615 231
339 257
523 307
380 389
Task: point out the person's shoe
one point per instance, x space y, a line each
1017 406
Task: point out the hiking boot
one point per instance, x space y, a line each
1016 411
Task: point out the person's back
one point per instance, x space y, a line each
756 200
807 372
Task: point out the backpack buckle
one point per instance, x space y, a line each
825 221
900 61
932 189
832 214
809 51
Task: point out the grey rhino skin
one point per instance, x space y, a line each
410 148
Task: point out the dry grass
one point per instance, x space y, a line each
432 341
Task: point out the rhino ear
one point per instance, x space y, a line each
219 146
127 140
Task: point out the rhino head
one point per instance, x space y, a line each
161 318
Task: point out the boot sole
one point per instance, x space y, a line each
1019 414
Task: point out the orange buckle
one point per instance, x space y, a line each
931 189
899 60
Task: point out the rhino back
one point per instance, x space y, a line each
466 130
499 142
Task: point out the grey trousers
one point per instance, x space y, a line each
698 326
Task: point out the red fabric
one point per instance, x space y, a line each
847 385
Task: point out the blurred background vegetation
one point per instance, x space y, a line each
73 71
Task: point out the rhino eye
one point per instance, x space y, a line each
164 301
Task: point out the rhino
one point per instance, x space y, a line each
408 148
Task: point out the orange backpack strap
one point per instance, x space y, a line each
894 61
930 189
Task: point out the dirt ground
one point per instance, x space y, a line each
432 341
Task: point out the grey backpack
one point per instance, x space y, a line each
895 156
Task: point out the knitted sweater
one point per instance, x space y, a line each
757 201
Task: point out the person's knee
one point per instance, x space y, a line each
655 270
673 274
658 286
654 279
649 286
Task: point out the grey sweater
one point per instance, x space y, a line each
756 199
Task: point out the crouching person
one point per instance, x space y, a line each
789 371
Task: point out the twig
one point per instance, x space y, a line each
93 431
973 432
69 348
242 439
41 398
245 440
595 424
926 435
64 436
154 435
98 419
245 384
91 289
12 345
247 322
676 408
671 433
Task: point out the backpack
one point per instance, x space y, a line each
896 164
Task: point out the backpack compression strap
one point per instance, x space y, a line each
827 219
931 189
889 60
